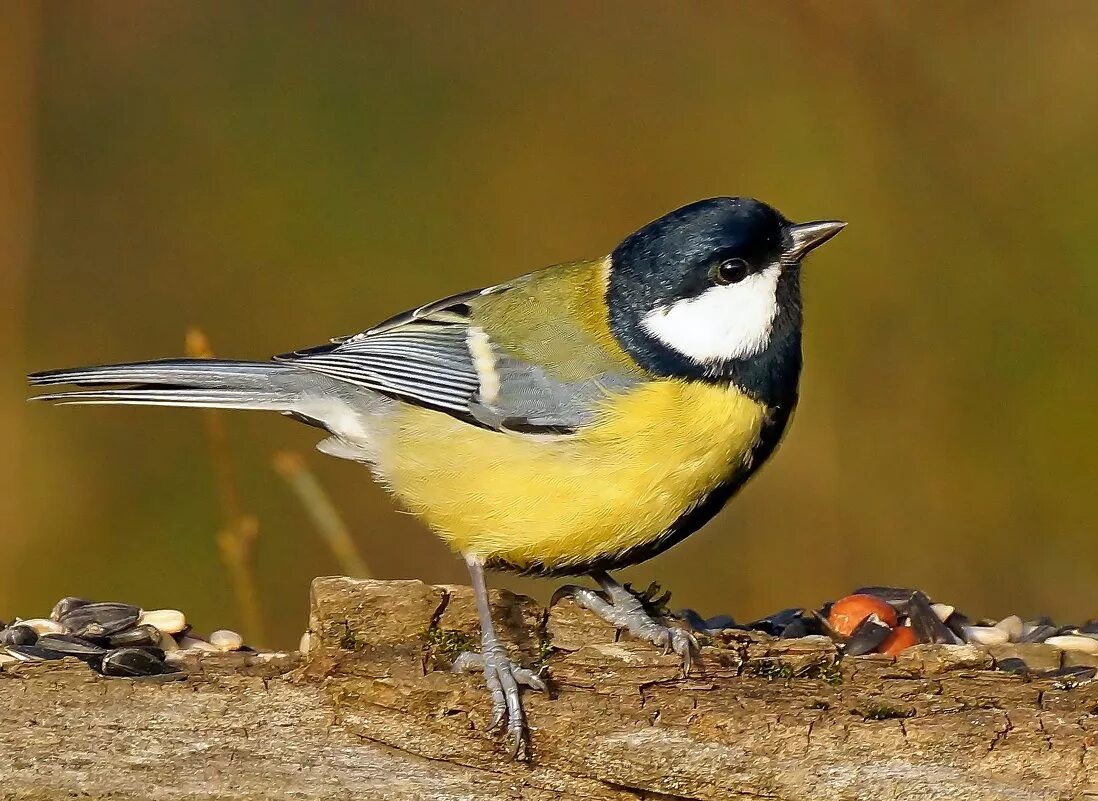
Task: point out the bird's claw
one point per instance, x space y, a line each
581 595
685 645
504 678
626 609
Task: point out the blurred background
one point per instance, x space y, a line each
279 173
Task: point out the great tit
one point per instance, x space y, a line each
575 420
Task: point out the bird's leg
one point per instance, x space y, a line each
622 608
502 675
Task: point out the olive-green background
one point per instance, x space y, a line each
279 173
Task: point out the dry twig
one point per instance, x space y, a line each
240 529
292 468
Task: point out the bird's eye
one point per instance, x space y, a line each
730 271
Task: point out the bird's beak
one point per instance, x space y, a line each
808 236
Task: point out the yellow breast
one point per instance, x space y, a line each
560 501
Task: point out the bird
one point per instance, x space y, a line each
572 421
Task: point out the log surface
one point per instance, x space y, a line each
370 713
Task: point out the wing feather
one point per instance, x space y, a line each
445 356
421 356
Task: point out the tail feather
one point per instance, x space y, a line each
212 399
181 382
342 409
194 372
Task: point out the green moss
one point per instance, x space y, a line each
769 669
831 674
545 649
347 640
447 644
882 711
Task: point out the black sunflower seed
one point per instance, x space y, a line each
93 621
957 623
816 623
798 628
135 663
1076 673
928 628
720 623
896 597
867 637
32 653
775 624
70 645
1038 633
18 634
1012 665
137 636
67 605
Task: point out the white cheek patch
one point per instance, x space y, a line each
723 322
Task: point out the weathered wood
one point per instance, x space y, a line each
365 715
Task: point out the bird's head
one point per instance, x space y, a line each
710 285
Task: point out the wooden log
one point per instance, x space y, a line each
371 713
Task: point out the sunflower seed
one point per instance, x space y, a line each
986 635
798 628
720 623
1036 633
69 645
66 605
816 623
1037 656
18 634
943 611
137 636
928 627
306 642
957 623
226 640
1076 673
867 636
43 626
169 621
1013 627
134 663
1012 665
195 644
100 620
32 653
1074 642
775 624
897 597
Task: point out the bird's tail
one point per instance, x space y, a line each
211 383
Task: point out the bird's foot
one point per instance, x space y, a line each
623 608
503 678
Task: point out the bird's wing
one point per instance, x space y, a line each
509 357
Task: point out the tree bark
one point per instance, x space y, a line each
370 713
